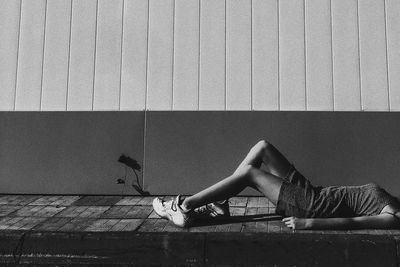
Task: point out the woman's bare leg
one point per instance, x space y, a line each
248 174
264 152
266 183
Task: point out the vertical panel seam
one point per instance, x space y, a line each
43 57
251 54
173 54
69 56
121 57
198 60
144 146
145 97
332 80
305 57
387 51
95 53
278 56
16 67
359 56
147 54
225 85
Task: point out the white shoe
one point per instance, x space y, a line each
217 209
173 211
214 210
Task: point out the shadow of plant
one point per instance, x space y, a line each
134 166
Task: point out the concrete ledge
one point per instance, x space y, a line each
198 249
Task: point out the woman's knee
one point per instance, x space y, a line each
261 145
248 173
245 172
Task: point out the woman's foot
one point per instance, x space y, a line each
174 210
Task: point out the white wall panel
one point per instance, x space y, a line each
186 55
238 55
134 55
9 32
160 58
340 55
107 81
346 71
393 50
212 55
265 65
291 55
82 51
318 55
30 55
373 65
56 55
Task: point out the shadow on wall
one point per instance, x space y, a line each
133 165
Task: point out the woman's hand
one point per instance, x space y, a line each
295 223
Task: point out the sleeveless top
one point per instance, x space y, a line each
351 201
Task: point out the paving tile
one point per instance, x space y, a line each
259 202
117 212
27 211
17 199
65 201
6 222
153 225
97 200
4 199
139 212
8 199
93 212
263 211
45 200
127 225
25 223
146 201
77 224
250 226
272 210
252 202
238 201
71 211
52 224
101 225
48 211
204 229
274 226
129 200
153 215
237 211
7 209
230 227
108 200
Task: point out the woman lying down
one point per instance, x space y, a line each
303 205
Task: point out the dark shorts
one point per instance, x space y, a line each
296 196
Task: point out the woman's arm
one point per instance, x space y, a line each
382 221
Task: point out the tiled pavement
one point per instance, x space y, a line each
134 213
123 230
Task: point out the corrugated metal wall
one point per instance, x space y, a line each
200 55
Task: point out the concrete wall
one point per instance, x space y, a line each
200 55
183 152
68 153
